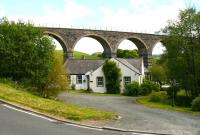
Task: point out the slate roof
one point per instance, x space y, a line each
84 65
133 64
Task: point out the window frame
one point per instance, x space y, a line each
101 81
125 81
79 80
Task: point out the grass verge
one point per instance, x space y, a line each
146 102
51 107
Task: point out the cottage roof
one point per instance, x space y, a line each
133 64
82 66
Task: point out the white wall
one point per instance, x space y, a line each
79 86
93 81
99 73
125 71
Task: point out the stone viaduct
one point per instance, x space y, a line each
110 40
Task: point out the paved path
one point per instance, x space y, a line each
137 117
14 122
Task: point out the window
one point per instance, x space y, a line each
79 79
100 82
127 79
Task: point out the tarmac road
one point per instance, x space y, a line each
16 122
137 117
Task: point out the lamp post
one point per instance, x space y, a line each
173 85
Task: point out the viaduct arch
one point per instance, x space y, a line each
110 40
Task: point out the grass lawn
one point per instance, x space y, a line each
145 101
90 93
77 55
51 107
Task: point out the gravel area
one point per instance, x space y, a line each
137 117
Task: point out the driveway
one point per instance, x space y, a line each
137 117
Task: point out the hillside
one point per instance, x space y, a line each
78 55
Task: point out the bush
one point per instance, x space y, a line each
147 87
25 54
132 89
196 104
112 75
159 97
57 79
172 90
183 101
154 97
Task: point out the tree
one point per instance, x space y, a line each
183 51
158 73
57 79
112 74
25 54
127 53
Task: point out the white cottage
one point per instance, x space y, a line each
88 74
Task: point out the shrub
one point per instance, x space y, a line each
154 97
183 101
132 89
112 75
25 54
172 90
196 104
155 87
147 87
159 97
57 79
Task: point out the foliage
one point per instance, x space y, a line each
127 53
196 104
98 55
183 51
172 91
183 101
112 75
51 107
132 89
164 103
158 73
147 87
25 54
81 55
159 97
57 79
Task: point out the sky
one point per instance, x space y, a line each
146 16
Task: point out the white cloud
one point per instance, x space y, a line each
71 13
150 20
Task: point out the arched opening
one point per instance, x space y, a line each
91 47
60 45
127 49
158 50
141 48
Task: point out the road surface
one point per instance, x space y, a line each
17 122
137 117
